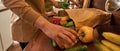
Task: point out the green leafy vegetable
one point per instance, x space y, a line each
54 44
77 48
64 5
71 23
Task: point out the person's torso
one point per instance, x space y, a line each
37 4
22 31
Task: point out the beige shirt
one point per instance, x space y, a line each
23 29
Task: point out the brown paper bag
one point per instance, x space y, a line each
89 16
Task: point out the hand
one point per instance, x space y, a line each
77 4
64 37
55 3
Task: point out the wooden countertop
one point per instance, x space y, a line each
43 43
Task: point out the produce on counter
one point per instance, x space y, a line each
54 44
63 20
77 48
115 38
64 5
86 34
110 45
101 47
55 20
70 25
67 22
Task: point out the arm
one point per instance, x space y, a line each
60 34
55 3
86 3
77 4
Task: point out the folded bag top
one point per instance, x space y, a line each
88 17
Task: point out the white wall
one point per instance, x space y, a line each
5 29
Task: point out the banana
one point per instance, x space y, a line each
112 37
101 47
110 45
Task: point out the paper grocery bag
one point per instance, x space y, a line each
88 17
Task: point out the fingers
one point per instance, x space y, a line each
59 42
62 43
66 39
56 4
66 42
71 36
72 31
67 46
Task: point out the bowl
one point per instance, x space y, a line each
107 38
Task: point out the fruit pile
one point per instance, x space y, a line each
63 21
85 32
111 42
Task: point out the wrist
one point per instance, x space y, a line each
41 22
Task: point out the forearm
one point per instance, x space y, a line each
72 0
75 2
41 22
86 3
52 1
